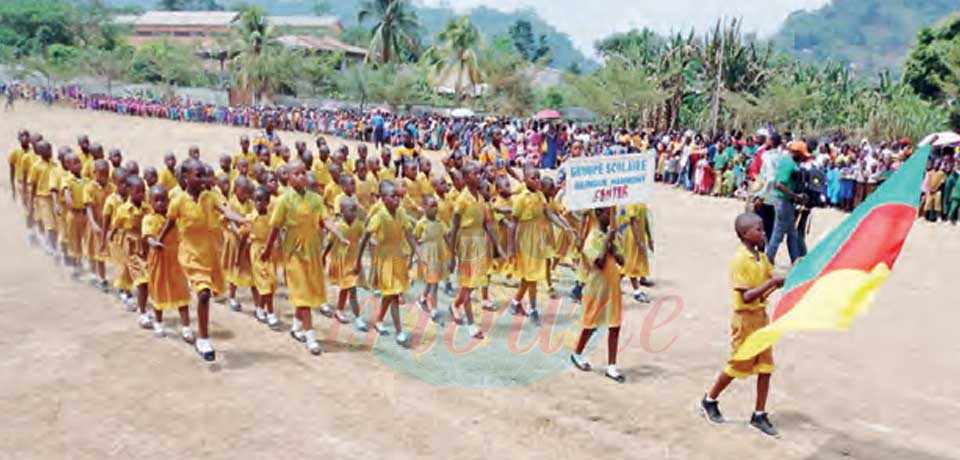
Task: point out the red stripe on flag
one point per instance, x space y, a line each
878 239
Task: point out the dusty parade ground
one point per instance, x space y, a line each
78 379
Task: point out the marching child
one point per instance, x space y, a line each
95 195
753 282
432 268
263 271
166 285
342 258
128 221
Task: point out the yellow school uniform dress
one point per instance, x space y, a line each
550 230
22 170
426 188
330 193
249 156
386 173
602 299
301 216
167 286
436 254
57 176
13 160
529 211
129 218
635 264
473 251
198 224
343 258
167 179
565 243
748 272
263 273
76 215
445 207
94 198
391 258
350 165
86 166
277 161
321 173
236 257
121 278
40 175
413 199
505 268
367 191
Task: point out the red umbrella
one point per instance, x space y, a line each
547 114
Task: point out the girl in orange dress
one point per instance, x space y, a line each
167 285
602 298
472 236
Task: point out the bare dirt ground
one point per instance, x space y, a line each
79 380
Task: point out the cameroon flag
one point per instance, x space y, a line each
836 281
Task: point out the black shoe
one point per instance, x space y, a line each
711 411
762 423
535 317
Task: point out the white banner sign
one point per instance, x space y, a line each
598 182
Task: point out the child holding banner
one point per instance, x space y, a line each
753 281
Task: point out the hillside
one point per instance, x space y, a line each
433 19
870 34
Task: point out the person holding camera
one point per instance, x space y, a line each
788 195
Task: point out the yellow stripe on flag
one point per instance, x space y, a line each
832 303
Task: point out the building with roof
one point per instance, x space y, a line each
203 26
323 45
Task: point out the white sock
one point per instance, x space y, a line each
636 292
709 399
759 412
271 317
612 369
311 336
297 325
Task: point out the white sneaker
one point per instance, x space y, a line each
360 324
158 330
326 310
131 303
234 305
381 330
187 335
474 331
272 321
260 314
144 321
402 339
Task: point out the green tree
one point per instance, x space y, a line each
530 47
927 69
30 26
189 5
455 54
166 63
319 72
354 83
621 91
394 30
262 65
506 76
109 64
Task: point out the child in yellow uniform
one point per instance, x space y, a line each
96 153
112 240
602 299
13 161
384 171
24 166
445 204
390 225
76 219
320 170
413 196
533 218
342 258
57 175
95 194
245 153
751 274
166 285
332 189
432 268
301 214
263 271
472 236
195 214
366 187
41 202
167 176
236 248
128 221
636 238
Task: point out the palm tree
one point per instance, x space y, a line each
262 65
456 51
395 28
